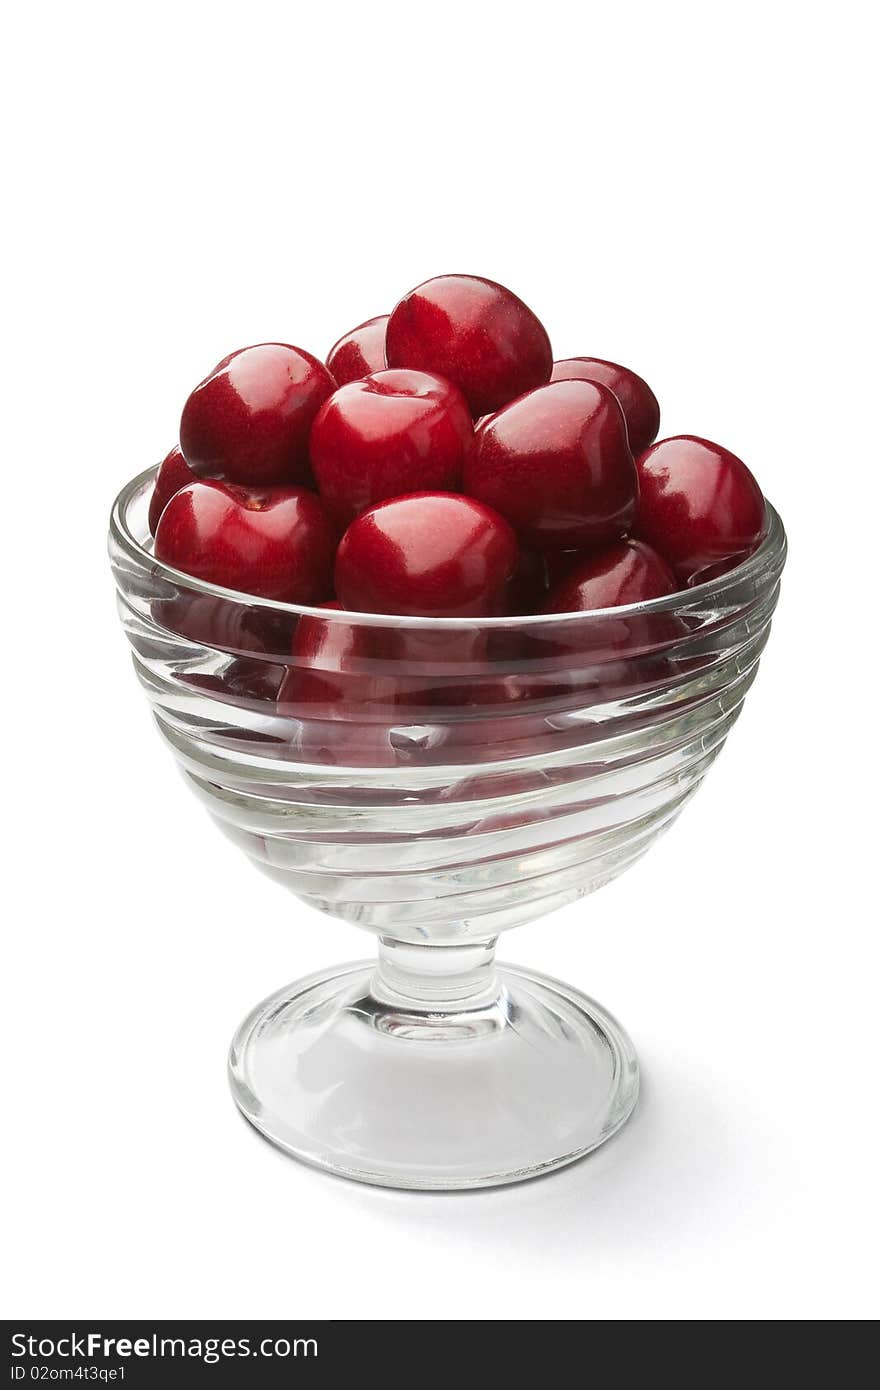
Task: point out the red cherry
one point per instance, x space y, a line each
322 654
359 352
392 433
640 407
335 670
557 464
493 715
627 572
476 333
340 686
174 473
615 656
223 624
249 421
433 554
243 681
486 686
698 505
253 680
276 544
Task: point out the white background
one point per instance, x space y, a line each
681 187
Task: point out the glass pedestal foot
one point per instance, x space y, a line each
374 1074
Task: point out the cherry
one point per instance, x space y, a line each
243 680
489 685
174 473
392 433
253 680
699 506
635 397
275 544
627 572
476 333
341 686
494 714
225 624
557 464
433 554
249 421
359 352
338 664
615 655
321 655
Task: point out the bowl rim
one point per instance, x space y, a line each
769 553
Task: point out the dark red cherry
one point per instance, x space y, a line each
358 353
640 407
249 421
338 669
253 680
597 653
174 473
343 691
556 463
486 688
392 433
493 716
699 506
323 654
276 544
476 333
243 680
321 662
433 554
226 624
626 572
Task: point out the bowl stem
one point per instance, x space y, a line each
436 979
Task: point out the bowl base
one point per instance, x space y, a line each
342 1076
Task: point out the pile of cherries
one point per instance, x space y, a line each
442 464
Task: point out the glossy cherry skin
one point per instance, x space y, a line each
614 655
321 654
486 688
249 421
626 572
640 406
392 433
243 680
335 663
699 505
556 463
432 554
341 686
476 333
358 353
226 624
174 473
276 543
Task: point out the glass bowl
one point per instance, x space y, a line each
454 779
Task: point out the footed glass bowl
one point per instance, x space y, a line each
444 781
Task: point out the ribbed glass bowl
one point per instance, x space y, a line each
458 778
